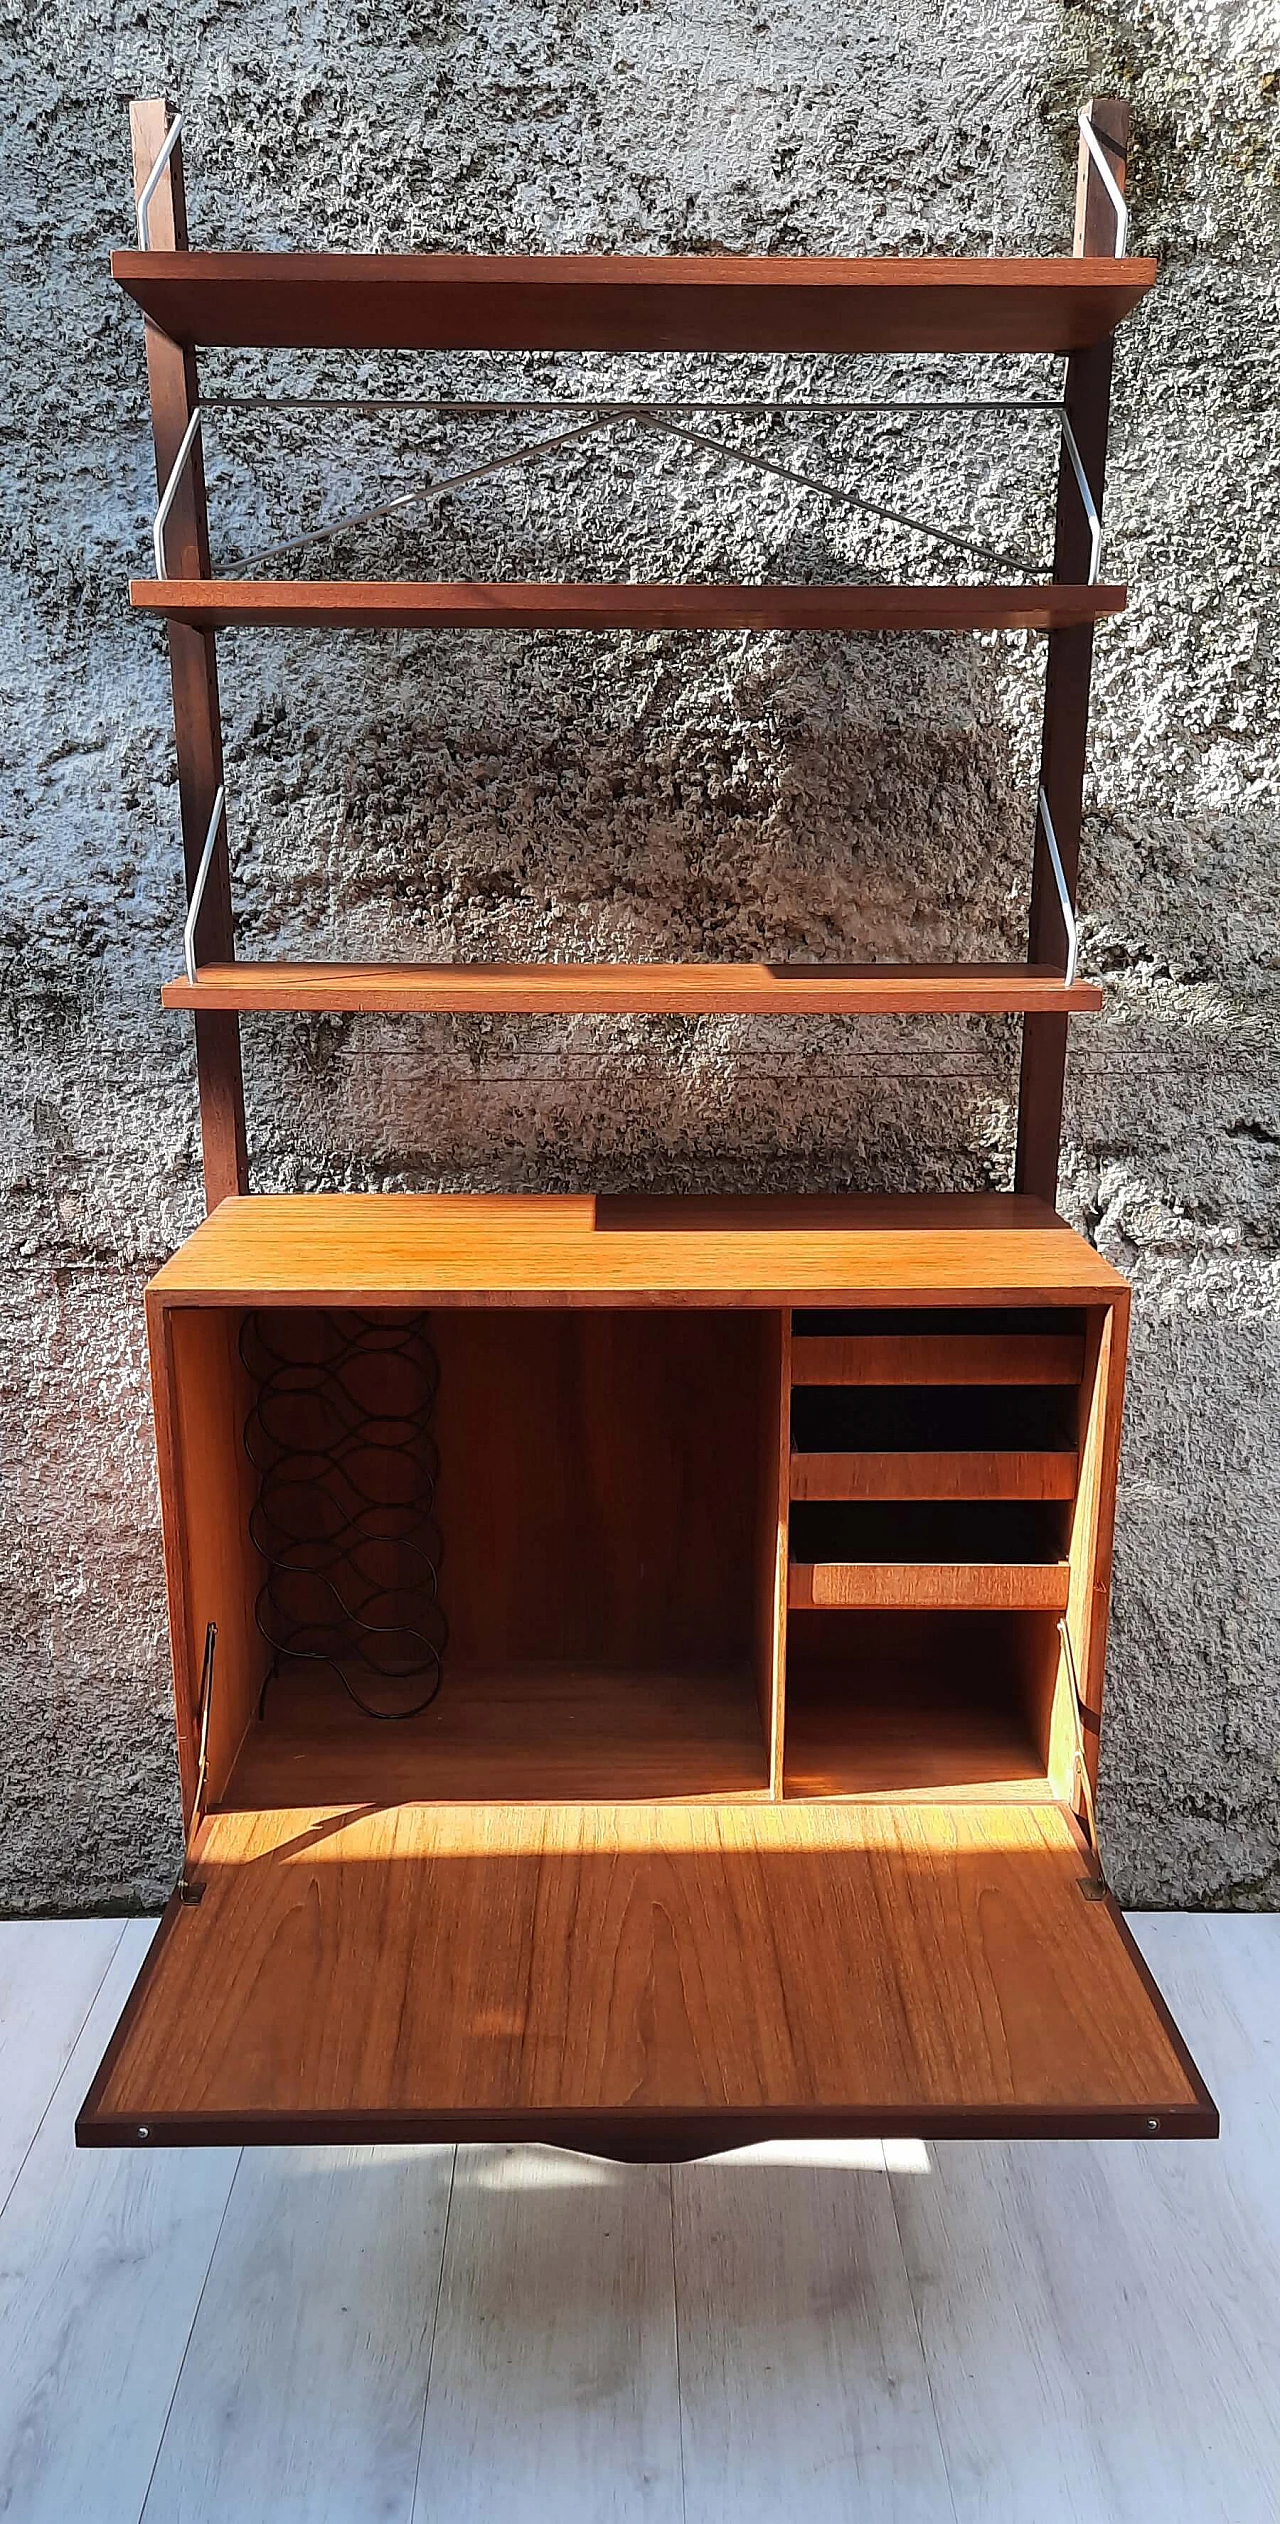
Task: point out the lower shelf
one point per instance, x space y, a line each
905 1738
637 989
646 1981
532 1734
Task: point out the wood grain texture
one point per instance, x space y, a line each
569 605
921 1357
598 1492
529 1734
102 2260
302 2391
892 1731
630 989
335 1248
521 1972
914 1586
1102 2325
633 301
201 1397
1012 1473
803 2390
554 2382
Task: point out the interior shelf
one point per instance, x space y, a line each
960 1473
915 1586
907 1700
638 989
525 1734
633 302
900 1731
966 1348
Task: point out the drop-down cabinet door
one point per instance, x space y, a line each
642 1981
638 1671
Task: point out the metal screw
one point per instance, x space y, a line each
144 2133
1153 2126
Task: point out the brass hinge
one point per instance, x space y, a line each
188 1890
1093 1887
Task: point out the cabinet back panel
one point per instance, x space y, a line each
599 1483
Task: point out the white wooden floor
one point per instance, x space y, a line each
959 2335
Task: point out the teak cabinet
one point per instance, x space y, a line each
774 1540
638 1663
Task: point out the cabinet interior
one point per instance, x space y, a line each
640 1588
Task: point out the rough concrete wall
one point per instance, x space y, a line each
682 796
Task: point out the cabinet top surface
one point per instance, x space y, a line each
473 1248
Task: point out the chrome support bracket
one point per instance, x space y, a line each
1114 194
202 879
1065 903
166 150
1087 499
170 491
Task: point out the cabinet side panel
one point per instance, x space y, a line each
207 1491
1092 1539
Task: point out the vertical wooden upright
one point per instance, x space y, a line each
171 378
1067 677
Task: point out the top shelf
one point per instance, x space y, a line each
632 302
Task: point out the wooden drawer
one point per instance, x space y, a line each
734 1815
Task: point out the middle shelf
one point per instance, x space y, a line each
637 989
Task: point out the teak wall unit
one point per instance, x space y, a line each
753 1554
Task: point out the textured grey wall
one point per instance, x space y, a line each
729 796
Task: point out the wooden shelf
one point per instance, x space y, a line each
623 302
976 1473
213 604
924 1357
529 1734
637 989
913 1586
907 1735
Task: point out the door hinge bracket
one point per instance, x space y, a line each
187 1889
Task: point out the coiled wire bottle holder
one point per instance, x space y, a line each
339 1435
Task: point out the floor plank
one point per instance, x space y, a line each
1102 2324
102 2259
802 2385
302 2391
554 2382
50 1973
